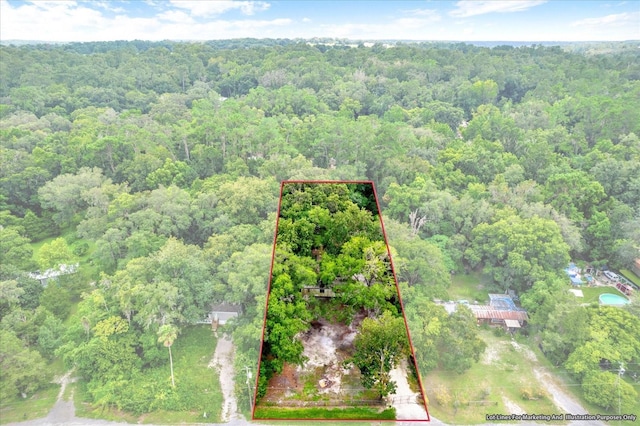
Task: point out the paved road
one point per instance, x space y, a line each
63 412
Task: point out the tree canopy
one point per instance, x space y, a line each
155 165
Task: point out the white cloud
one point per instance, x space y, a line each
619 18
90 21
418 25
250 24
212 8
52 4
61 21
398 29
466 8
106 6
412 22
431 13
45 20
176 16
619 26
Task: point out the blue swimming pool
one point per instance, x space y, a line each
612 299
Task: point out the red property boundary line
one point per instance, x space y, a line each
395 278
266 307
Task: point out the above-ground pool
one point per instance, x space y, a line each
612 299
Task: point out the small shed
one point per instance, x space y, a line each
221 313
321 292
511 325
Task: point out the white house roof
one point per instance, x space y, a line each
52 273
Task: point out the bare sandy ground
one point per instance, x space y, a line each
404 399
324 347
223 361
512 407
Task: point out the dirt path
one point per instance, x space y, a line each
565 402
405 400
512 407
223 361
63 381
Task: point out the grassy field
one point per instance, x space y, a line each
72 241
356 413
591 294
192 352
506 371
494 385
36 406
630 276
469 287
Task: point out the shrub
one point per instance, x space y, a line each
80 248
532 393
485 390
443 397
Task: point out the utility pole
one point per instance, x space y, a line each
621 371
249 375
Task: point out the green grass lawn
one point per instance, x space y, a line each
69 235
56 367
192 352
469 287
354 413
72 241
36 406
88 271
591 294
503 372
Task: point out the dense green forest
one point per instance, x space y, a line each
156 166
331 263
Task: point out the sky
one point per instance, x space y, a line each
467 20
